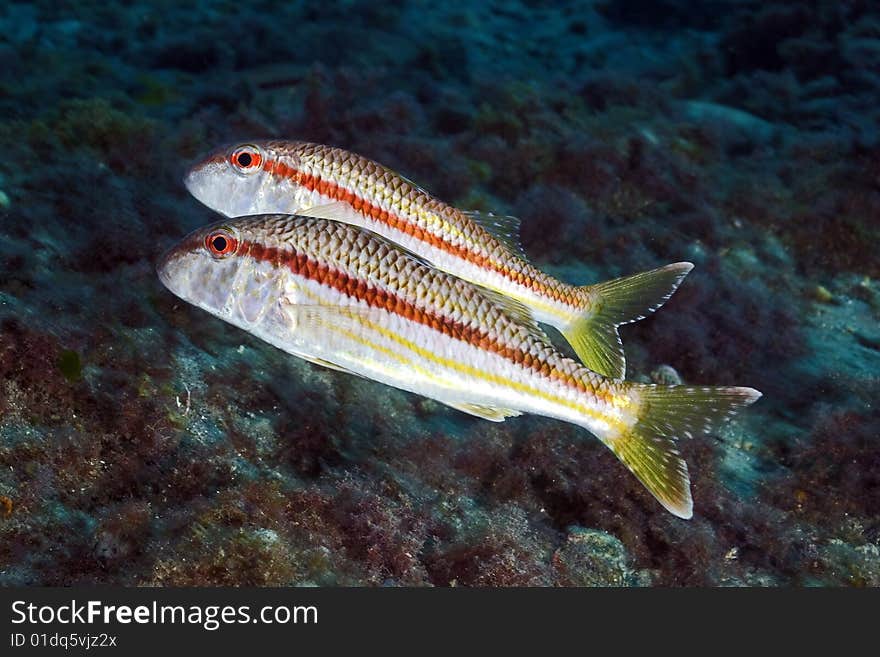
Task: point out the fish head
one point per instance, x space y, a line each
248 178
229 269
203 267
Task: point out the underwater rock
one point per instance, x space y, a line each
593 558
666 375
731 119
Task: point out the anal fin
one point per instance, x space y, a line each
328 364
486 412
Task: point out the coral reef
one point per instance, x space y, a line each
144 443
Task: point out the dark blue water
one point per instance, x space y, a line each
144 442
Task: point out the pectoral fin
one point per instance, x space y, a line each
335 211
314 317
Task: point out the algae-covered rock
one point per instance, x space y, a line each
593 558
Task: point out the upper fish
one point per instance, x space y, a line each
342 296
483 248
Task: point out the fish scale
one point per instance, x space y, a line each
346 298
289 177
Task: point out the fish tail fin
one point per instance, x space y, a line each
593 335
667 413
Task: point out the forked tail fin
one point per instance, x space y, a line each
667 413
608 305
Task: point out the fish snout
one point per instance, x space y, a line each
175 266
167 268
220 188
206 178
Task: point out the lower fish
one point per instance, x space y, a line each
348 299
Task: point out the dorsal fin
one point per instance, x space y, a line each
415 187
502 227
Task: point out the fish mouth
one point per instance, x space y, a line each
189 180
164 266
169 263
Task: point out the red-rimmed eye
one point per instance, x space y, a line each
220 243
246 159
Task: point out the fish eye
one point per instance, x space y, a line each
246 159
220 243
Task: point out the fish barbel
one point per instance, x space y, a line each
344 297
288 177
